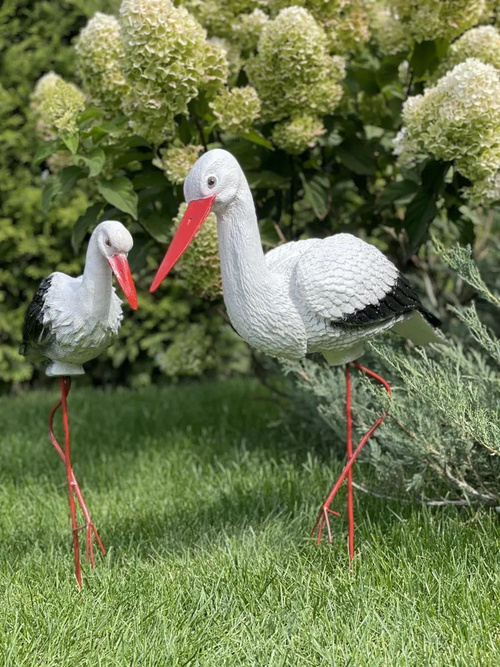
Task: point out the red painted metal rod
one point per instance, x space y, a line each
89 524
325 510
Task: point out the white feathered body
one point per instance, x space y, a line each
318 295
79 331
72 320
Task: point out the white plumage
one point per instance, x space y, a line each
318 295
72 320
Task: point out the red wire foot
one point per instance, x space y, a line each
322 520
74 488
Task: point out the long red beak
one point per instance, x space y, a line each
121 269
196 213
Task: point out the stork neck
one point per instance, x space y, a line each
97 287
240 247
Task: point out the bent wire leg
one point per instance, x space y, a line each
325 509
90 528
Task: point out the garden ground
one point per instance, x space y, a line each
205 501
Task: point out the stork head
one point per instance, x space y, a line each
114 241
217 176
212 184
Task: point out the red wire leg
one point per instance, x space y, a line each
325 510
65 387
89 525
350 493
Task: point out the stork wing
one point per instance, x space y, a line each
283 258
34 330
343 279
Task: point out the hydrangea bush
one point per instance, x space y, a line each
379 117
458 120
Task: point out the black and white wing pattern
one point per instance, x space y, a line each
348 281
35 332
401 299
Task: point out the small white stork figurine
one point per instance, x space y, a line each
71 321
317 295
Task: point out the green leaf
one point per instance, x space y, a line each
94 161
395 191
156 225
388 71
366 80
442 46
97 132
119 192
127 157
356 156
316 191
467 231
51 188
91 113
46 149
420 212
86 220
59 184
266 180
257 138
248 155
150 177
71 142
433 176
424 58
185 130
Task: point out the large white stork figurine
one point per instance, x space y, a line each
317 295
69 322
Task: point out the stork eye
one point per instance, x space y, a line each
211 181
108 242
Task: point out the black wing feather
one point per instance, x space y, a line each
401 299
34 331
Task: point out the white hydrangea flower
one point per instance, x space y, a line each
433 19
236 109
482 43
99 54
457 120
293 71
56 104
346 22
176 161
167 61
248 28
199 267
389 32
298 134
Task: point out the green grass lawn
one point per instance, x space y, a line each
205 504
